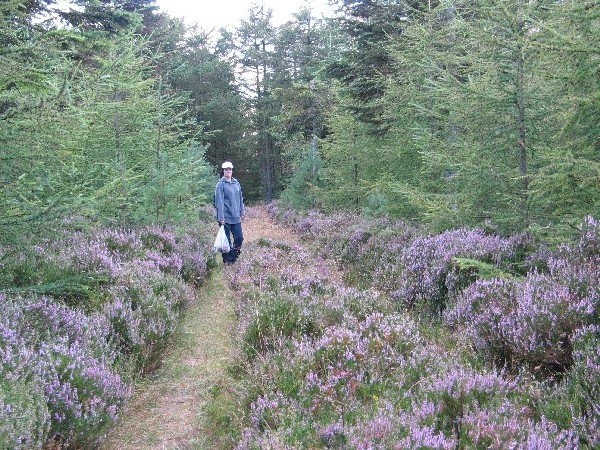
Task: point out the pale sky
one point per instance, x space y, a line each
229 13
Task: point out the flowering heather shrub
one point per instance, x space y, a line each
348 302
378 343
369 377
544 434
145 292
452 406
102 252
106 251
67 358
457 391
394 258
532 321
277 319
511 426
194 248
586 355
114 296
577 266
348 367
363 245
145 309
360 246
299 275
581 389
311 225
589 241
24 416
527 322
396 429
325 378
425 271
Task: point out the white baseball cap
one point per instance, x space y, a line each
227 165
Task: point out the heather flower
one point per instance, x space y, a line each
264 411
425 270
425 437
69 356
84 254
582 387
347 361
145 311
367 377
530 321
194 250
269 415
588 429
61 362
393 428
510 426
24 415
589 242
333 435
545 435
373 433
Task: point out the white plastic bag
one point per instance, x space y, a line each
221 242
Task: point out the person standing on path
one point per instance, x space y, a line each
229 203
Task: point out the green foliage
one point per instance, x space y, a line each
360 168
488 118
276 318
25 417
209 79
79 290
565 188
224 429
474 269
377 205
106 17
349 163
451 115
363 66
103 139
299 192
31 273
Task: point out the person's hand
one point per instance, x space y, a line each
220 222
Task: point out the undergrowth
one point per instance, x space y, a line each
433 341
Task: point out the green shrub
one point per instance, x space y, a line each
276 319
24 416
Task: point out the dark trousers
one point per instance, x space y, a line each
235 236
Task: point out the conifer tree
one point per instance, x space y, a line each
483 100
365 62
256 58
566 187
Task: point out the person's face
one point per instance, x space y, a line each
227 172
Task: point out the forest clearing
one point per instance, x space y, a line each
423 189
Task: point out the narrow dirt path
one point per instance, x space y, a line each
166 411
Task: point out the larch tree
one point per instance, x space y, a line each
255 51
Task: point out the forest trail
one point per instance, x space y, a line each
167 408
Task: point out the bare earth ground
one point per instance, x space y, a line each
166 411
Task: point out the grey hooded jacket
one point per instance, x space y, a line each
229 201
